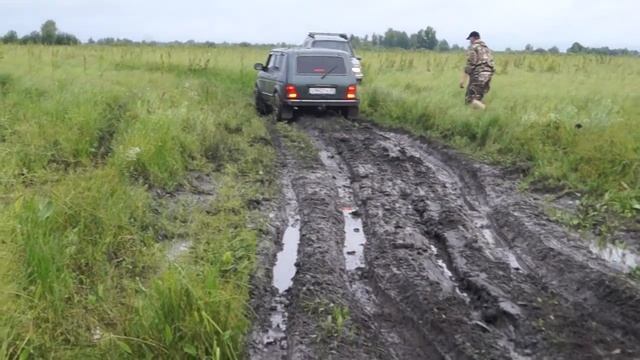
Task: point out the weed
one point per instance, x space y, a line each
334 319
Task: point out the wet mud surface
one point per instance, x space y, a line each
408 250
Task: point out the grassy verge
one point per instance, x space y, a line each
569 120
87 136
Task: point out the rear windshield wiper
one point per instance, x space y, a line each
329 71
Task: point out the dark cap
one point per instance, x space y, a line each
473 34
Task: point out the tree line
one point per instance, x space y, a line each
578 48
48 35
423 39
427 39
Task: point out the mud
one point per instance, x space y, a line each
408 250
198 191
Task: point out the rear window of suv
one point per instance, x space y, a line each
318 65
335 45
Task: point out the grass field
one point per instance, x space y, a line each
88 135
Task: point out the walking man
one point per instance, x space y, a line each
479 70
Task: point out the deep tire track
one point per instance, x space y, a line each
533 289
321 281
458 263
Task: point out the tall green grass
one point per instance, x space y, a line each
87 137
571 121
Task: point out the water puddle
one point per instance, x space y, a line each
354 240
178 248
284 271
448 274
616 255
285 268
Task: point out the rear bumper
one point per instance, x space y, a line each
323 103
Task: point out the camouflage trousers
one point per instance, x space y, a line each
479 86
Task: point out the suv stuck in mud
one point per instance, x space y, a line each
293 79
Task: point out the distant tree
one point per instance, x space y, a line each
106 41
421 42
66 39
91 41
375 40
389 38
456 47
33 38
403 40
443 45
576 48
430 38
413 41
540 51
528 48
355 41
10 37
49 31
554 50
508 50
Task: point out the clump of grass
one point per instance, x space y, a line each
80 243
334 319
5 82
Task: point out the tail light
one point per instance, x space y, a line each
352 92
292 92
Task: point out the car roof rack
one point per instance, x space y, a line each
313 34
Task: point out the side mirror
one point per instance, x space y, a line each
259 67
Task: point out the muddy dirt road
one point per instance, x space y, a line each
390 247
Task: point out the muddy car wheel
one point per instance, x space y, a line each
351 112
261 107
281 111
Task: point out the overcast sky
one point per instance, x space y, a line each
502 23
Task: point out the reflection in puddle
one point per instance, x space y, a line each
284 271
616 255
354 240
285 268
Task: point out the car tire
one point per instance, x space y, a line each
351 112
281 111
261 106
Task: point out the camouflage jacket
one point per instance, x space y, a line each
480 59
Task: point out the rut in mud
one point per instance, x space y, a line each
407 250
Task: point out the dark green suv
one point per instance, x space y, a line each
294 79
